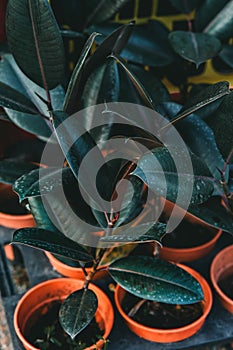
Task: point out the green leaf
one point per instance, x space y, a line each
214 214
158 170
208 10
68 214
185 6
119 36
132 201
104 10
138 86
73 83
75 143
206 96
77 311
194 47
153 37
226 54
198 136
221 25
11 170
53 242
11 75
28 24
33 123
41 181
157 90
221 122
40 214
141 233
155 279
11 98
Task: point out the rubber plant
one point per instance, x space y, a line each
104 77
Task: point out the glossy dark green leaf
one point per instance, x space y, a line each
138 86
158 170
194 47
185 6
155 279
214 214
28 24
73 83
153 37
11 75
40 215
53 242
221 122
141 233
77 311
221 25
198 136
226 55
98 58
33 123
132 200
68 214
157 90
210 108
11 98
206 96
11 169
208 10
76 142
41 181
104 10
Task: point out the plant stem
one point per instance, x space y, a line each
136 307
90 275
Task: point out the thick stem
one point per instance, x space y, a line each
90 275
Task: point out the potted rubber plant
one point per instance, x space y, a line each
95 80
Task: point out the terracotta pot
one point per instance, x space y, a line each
58 289
222 264
168 335
14 221
73 272
190 254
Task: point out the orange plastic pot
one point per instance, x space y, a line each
222 265
12 220
38 298
168 335
189 254
73 272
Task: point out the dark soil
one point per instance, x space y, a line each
187 235
46 333
9 203
161 315
226 282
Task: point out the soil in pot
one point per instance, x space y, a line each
188 235
160 315
43 330
9 201
226 282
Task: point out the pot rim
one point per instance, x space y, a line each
214 281
197 248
